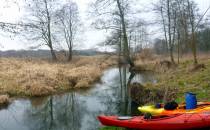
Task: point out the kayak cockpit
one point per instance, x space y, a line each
124 117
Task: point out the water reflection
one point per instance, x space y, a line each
58 112
76 110
127 107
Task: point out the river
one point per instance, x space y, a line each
74 110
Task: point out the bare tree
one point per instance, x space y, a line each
39 23
192 18
69 22
168 15
111 14
164 28
182 27
179 19
126 51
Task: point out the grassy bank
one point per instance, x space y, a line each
186 78
37 77
181 78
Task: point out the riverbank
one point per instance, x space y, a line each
177 79
39 77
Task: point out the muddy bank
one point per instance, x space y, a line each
4 101
143 95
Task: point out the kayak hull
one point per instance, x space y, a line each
174 122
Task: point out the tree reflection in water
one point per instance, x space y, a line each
56 113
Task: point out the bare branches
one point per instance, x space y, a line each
179 20
196 27
69 24
39 23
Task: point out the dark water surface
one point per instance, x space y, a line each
75 110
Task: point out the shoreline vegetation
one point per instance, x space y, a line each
174 80
186 77
33 77
39 77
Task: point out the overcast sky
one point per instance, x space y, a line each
11 12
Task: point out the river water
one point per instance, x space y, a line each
75 110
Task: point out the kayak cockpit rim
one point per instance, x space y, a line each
124 117
162 117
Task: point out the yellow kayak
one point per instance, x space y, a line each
201 107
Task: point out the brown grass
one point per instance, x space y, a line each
36 77
4 100
153 60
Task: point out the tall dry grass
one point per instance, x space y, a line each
148 59
37 77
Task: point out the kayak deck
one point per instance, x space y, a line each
201 107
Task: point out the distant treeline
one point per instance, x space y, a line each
203 43
45 53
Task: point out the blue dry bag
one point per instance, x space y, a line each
191 101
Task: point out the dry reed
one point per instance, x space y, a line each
36 77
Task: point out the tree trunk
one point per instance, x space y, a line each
54 58
178 46
51 48
193 39
49 32
70 54
169 31
126 52
194 48
120 45
164 28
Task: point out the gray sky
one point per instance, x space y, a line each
10 12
